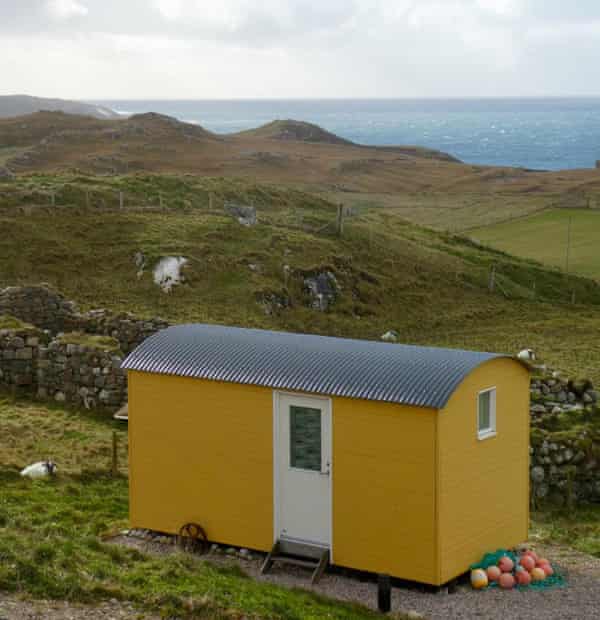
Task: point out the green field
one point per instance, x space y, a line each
431 287
544 237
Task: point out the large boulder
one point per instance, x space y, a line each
5 173
322 289
244 214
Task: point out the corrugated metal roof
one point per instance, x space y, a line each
412 375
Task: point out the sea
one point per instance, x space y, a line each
535 133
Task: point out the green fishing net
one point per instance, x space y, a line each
557 580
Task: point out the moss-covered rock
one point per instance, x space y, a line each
102 343
10 322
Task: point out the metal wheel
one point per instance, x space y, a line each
192 538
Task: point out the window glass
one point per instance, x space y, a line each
305 438
485 421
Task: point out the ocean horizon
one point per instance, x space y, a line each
550 133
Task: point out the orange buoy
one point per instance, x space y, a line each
493 573
506 564
547 568
541 561
527 562
506 581
523 578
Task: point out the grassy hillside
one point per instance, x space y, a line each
52 533
293 130
290 152
431 287
448 212
545 237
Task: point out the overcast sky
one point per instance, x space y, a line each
93 49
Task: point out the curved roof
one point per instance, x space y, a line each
411 375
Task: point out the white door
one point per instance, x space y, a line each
302 469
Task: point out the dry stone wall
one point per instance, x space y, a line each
39 306
37 355
49 310
81 375
127 329
565 440
19 354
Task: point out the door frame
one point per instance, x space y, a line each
277 453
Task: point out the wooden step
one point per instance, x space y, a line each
285 559
317 564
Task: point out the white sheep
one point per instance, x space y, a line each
43 469
391 336
527 355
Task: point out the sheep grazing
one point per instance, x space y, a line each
43 469
527 355
391 336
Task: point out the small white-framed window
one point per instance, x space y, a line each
486 413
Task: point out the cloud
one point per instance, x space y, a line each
66 9
287 48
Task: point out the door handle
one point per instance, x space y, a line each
327 470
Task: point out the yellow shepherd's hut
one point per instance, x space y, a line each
401 460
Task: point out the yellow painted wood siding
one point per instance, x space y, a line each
201 451
483 485
384 488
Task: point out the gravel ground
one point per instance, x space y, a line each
14 608
580 600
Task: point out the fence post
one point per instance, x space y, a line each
53 198
121 200
492 282
87 200
568 257
211 201
340 220
115 455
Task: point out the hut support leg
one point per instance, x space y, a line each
268 563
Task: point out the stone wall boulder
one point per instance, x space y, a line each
5 174
19 352
565 440
82 370
47 309
322 289
40 306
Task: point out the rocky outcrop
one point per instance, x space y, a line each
244 214
273 302
322 289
